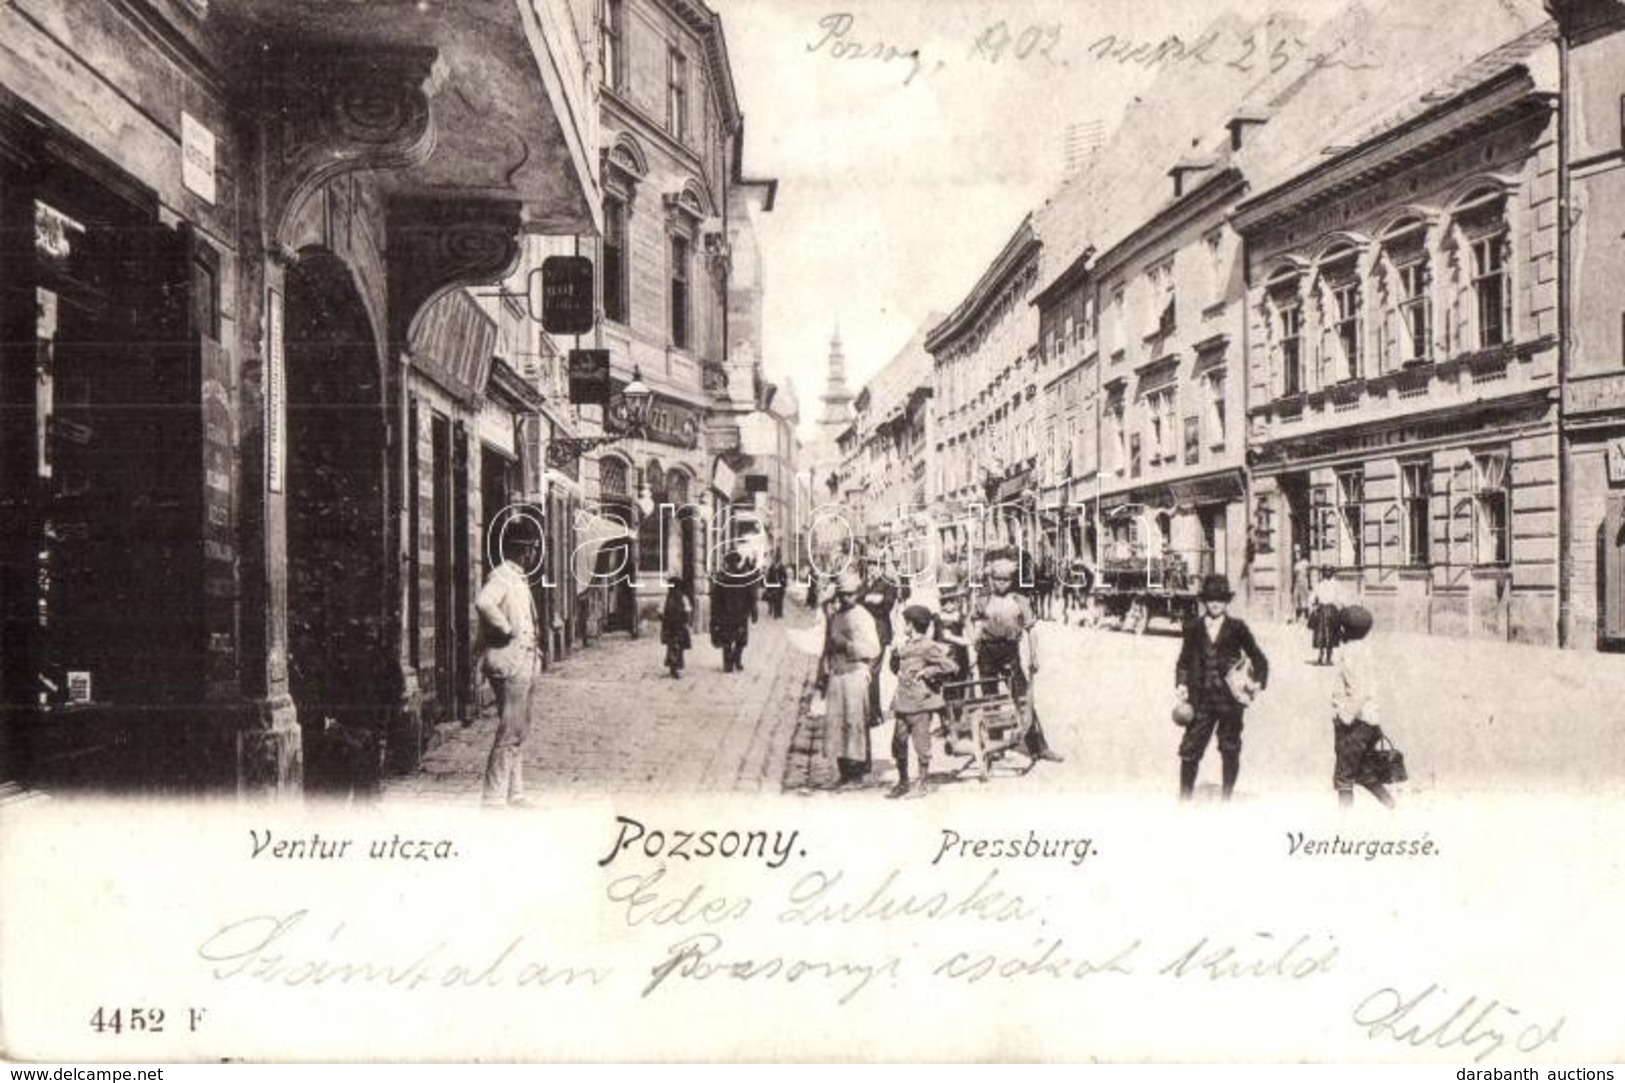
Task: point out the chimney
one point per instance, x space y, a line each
1243 122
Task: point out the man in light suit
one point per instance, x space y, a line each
507 611
1214 643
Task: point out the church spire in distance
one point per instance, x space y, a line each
837 399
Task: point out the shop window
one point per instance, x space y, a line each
1351 517
616 293
1492 509
1322 525
1416 492
1263 539
612 477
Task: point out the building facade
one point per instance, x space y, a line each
986 371
206 572
1591 250
1402 360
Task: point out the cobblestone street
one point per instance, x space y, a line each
611 719
1473 717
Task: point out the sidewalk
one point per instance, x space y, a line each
610 719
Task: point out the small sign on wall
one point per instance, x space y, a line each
1616 461
197 158
275 407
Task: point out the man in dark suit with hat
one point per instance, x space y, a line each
1214 643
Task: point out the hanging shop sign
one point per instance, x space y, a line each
589 377
567 295
453 344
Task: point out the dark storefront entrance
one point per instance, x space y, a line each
100 477
338 666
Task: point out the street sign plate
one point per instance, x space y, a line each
567 301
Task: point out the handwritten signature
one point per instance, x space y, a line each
839 43
1420 1019
275 949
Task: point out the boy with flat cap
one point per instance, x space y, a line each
921 664
1004 621
1214 642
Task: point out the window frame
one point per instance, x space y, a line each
617 221
1485 499
1350 490
680 298
612 44
1413 305
677 95
1498 242
1416 505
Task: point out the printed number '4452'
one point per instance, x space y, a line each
132 1019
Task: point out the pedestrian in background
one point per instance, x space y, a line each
950 632
812 587
879 598
774 587
922 664
851 645
511 661
1323 622
1302 591
1355 711
1004 622
1214 643
675 618
733 609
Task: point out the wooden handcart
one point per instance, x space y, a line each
982 721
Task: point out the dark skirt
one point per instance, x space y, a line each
1324 624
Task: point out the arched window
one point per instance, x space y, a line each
1340 276
1481 218
612 477
1286 328
1410 300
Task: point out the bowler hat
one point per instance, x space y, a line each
1003 567
1216 588
849 583
1355 621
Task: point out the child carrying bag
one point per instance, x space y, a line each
1383 762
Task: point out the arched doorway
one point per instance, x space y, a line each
338 665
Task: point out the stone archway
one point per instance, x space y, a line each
339 666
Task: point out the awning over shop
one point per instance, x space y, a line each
593 533
1010 489
1213 489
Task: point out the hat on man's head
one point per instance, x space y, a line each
917 615
1355 621
1003 567
850 582
1216 588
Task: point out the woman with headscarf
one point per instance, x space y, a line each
851 644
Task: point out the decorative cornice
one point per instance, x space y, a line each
1022 247
331 111
1506 97
439 244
